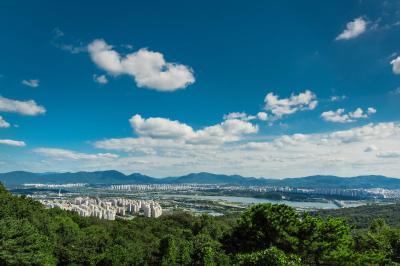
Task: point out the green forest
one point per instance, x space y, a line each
363 216
263 234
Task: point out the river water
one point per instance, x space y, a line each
250 200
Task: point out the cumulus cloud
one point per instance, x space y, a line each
163 128
101 79
371 110
293 140
156 127
370 131
148 68
336 152
240 116
339 116
263 116
22 107
227 131
9 142
353 29
336 116
68 154
4 123
31 82
396 65
279 107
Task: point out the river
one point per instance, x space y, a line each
250 200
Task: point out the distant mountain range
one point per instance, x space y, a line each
115 177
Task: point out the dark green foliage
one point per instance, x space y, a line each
264 234
310 239
271 256
324 242
263 226
22 244
361 217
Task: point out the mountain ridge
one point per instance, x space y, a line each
115 177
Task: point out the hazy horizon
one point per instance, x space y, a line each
189 173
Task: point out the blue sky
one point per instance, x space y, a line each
272 89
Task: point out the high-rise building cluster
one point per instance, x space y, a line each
165 187
106 208
68 185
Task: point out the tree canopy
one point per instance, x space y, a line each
264 234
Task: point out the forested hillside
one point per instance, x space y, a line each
363 216
264 234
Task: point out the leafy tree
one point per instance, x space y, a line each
22 244
169 251
264 234
325 242
208 252
262 226
379 245
271 256
65 234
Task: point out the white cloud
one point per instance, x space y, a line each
4 123
101 79
148 68
303 101
371 110
263 116
156 127
337 152
163 128
353 29
396 65
370 131
359 113
239 115
31 82
145 145
68 154
336 116
339 116
260 145
10 142
227 131
293 140
22 107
